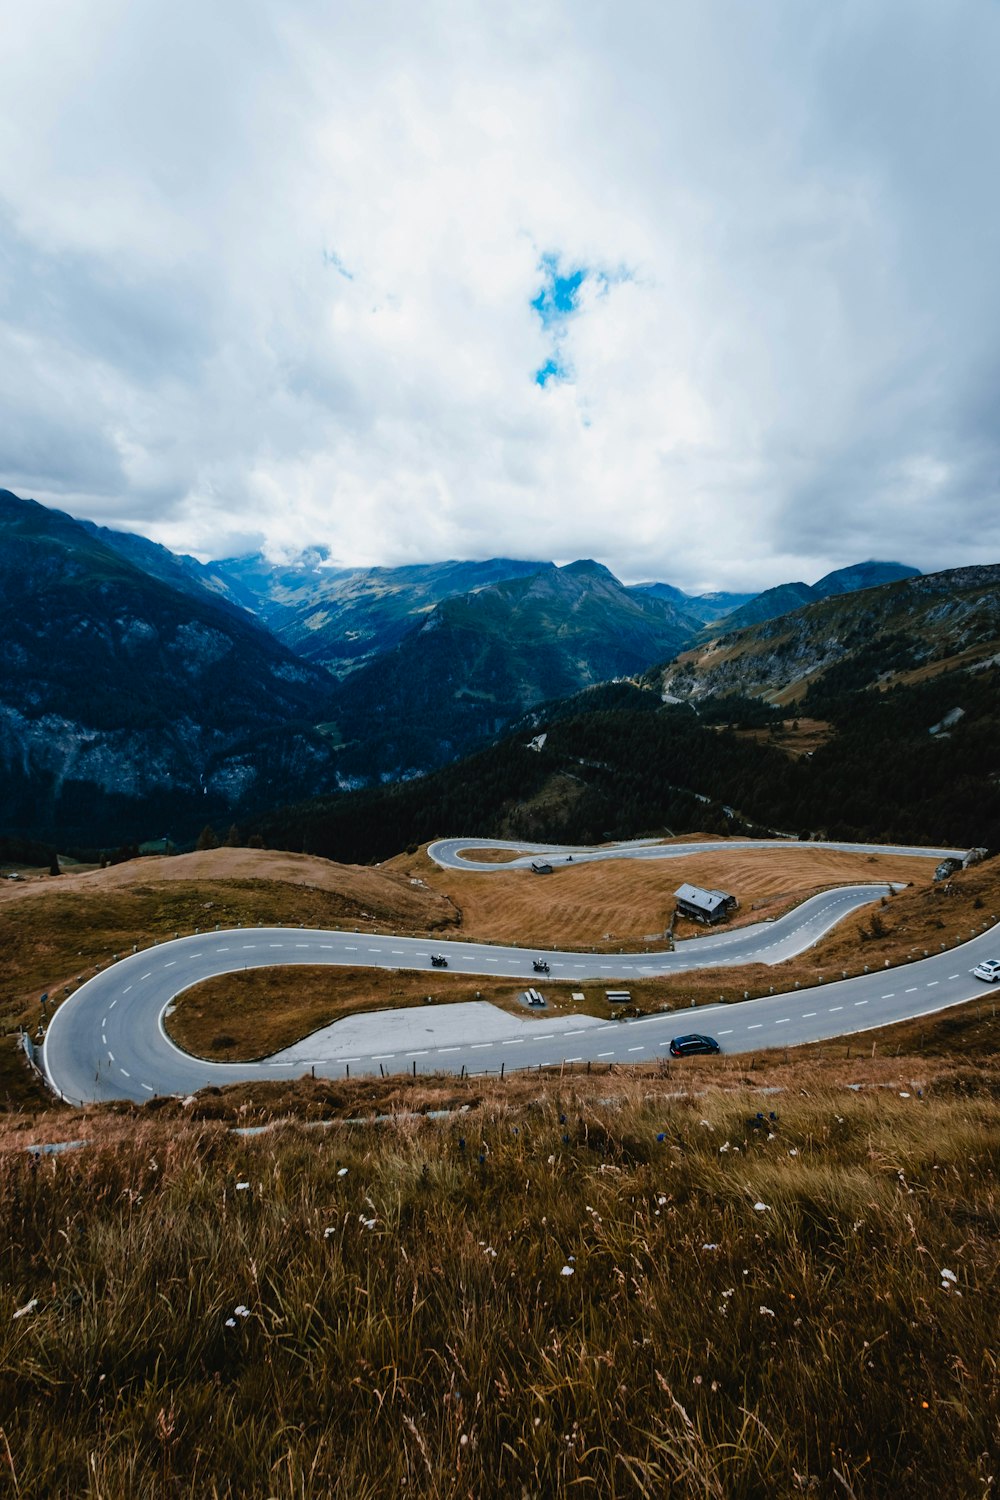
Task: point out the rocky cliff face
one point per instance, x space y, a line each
917 626
125 701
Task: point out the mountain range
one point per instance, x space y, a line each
145 692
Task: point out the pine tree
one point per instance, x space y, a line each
207 838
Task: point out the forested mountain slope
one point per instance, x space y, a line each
478 661
128 706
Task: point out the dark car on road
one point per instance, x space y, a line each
693 1044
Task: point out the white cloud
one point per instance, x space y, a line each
799 369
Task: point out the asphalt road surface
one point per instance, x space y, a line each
107 1040
448 853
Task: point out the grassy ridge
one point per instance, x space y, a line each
408 1326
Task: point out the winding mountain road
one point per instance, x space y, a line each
451 854
107 1041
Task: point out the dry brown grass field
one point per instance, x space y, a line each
731 1280
249 1015
615 902
736 1278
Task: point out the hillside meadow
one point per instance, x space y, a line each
740 1277
749 1286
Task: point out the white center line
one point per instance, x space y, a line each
517 1041
478 1046
605 1054
112 1056
861 1002
932 982
784 1021
722 1033
382 1056
144 976
148 1087
348 948
115 1002
835 1007
807 1015
125 1073
418 1054
637 1049
172 962
954 976
911 991
756 1026
448 1049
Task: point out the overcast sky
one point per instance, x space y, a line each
708 291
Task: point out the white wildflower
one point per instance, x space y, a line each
762 1208
241 1311
230 1322
566 1271
948 1276
794 1151
766 1312
330 1229
724 1147
710 1247
342 1172
904 1096
27 1308
242 1187
368 1223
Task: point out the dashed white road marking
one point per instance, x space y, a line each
861 1002
835 1007
756 1026
605 1054
807 1015
173 961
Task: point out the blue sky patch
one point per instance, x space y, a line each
551 370
555 304
557 298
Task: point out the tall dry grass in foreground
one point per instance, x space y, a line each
630 1297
